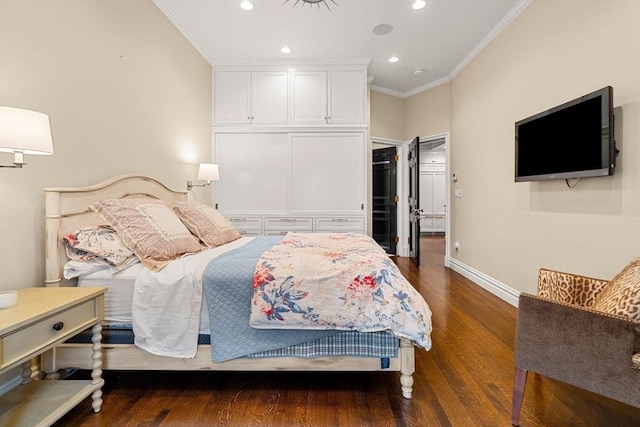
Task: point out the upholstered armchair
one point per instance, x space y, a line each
582 331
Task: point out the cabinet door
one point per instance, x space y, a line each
232 97
346 97
254 172
309 97
269 97
327 172
439 200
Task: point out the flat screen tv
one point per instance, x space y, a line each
572 140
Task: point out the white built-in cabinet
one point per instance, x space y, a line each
250 97
277 182
290 143
327 97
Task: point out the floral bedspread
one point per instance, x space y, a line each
339 281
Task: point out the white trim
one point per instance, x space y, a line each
162 5
328 63
500 26
10 384
386 91
497 288
386 141
428 86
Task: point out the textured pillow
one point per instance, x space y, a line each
206 223
622 294
149 228
100 241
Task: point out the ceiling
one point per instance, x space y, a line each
440 39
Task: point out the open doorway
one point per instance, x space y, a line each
385 198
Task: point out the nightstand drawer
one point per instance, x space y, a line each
44 332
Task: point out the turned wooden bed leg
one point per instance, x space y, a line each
518 394
96 373
407 367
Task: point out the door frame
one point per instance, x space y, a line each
403 186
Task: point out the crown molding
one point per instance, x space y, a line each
162 5
495 31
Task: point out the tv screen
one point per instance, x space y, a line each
572 140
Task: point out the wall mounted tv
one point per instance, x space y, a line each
572 140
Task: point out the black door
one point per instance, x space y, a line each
384 218
414 201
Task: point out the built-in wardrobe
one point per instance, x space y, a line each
290 140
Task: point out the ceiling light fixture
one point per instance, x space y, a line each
246 5
418 71
419 4
286 50
312 2
394 59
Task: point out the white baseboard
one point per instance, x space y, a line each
492 285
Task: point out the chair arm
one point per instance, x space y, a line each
582 347
569 288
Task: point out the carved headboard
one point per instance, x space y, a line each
67 209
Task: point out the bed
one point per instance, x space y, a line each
67 209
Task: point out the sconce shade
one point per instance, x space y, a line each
24 131
208 172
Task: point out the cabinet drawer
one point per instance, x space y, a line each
337 224
247 226
287 224
42 333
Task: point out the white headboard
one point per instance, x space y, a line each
67 209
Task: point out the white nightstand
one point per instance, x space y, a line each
43 318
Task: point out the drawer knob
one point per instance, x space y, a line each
58 326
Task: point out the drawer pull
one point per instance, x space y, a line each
288 220
340 220
58 326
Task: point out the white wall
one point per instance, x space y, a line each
553 52
125 93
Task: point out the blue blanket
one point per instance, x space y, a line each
228 290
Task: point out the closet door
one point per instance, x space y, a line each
309 97
254 173
327 173
232 97
346 97
269 97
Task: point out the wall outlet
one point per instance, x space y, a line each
458 193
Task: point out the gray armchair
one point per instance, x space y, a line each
558 335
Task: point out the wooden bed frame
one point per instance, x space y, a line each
66 209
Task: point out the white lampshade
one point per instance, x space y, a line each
208 172
24 131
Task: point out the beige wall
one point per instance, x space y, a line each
125 93
427 113
386 116
554 52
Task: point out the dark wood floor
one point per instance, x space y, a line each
465 380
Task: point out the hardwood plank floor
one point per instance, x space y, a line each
464 380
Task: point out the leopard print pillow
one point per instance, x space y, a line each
568 288
622 294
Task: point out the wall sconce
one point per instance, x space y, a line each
207 172
24 132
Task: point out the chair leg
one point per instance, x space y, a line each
518 394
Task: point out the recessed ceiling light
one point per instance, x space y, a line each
419 4
394 59
246 5
285 50
382 29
